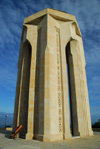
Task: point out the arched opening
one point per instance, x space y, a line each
71 90
24 95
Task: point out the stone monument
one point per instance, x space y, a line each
51 92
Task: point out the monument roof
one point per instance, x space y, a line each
57 14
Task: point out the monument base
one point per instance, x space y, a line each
50 138
90 133
29 136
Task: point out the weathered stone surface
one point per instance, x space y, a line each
92 142
51 62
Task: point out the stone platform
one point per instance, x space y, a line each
92 142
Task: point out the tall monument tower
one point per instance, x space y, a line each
51 92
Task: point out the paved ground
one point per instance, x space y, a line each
79 143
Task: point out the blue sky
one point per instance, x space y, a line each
12 14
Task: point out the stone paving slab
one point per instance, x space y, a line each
77 143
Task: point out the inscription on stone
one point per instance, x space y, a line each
59 81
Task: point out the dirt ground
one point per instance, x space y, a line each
92 142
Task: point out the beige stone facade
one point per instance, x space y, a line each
51 92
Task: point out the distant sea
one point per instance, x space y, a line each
6 119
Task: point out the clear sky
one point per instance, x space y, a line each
12 14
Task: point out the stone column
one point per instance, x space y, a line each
84 90
64 37
74 87
17 89
20 93
53 118
80 114
19 76
50 77
24 89
32 37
